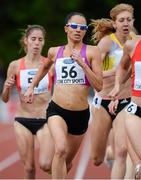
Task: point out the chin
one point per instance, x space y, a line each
77 40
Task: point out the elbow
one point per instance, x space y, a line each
4 99
99 87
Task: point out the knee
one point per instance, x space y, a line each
121 153
45 165
61 151
97 160
69 166
30 170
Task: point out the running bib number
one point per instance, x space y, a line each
97 101
72 73
131 108
69 72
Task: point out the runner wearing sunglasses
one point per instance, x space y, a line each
77 66
82 27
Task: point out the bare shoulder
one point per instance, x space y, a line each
131 44
92 49
13 67
52 52
14 64
105 44
93 53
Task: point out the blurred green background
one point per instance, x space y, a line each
17 14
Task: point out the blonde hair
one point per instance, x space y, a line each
104 26
120 8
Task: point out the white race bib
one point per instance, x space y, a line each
137 83
69 72
131 108
97 101
26 77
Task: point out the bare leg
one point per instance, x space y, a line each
100 128
46 148
119 166
25 143
136 162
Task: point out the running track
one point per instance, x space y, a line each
11 168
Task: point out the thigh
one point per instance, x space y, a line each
25 143
133 127
58 130
120 135
46 144
74 143
100 128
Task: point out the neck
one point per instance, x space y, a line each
122 38
74 45
32 57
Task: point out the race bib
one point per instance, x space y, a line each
131 108
26 78
137 83
69 72
97 101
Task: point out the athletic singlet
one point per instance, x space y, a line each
68 71
25 77
136 71
113 57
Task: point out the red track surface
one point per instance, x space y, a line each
15 170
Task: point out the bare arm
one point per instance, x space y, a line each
42 71
122 72
9 82
94 75
39 76
105 45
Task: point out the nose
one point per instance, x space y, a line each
78 28
37 41
126 23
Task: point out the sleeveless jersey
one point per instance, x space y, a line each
25 76
136 70
68 71
113 58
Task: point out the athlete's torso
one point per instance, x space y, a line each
71 87
42 93
136 71
110 63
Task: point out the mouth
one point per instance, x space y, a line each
126 30
77 36
36 48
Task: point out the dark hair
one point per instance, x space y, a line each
26 33
70 15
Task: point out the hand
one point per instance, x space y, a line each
9 82
77 57
113 106
114 92
28 96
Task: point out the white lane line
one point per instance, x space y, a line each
9 161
